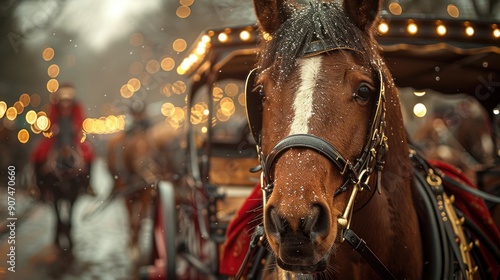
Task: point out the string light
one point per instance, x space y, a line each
244 35
383 28
496 33
223 38
441 30
412 28
419 110
469 30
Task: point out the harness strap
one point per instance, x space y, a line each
457 260
312 142
475 192
362 248
307 141
257 235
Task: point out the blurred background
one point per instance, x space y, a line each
114 52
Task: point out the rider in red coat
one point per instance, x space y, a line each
65 114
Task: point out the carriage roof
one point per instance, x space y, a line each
446 55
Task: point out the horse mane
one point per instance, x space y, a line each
316 21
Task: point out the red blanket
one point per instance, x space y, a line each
239 233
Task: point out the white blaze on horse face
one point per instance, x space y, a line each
303 103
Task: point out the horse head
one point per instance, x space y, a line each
328 111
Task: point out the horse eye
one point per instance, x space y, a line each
363 92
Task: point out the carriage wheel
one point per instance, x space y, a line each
198 253
164 236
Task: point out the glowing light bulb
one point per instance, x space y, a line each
420 110
223 37
412 28
469 31
383 28
496 33
441 30
245 35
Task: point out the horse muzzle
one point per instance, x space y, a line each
300 243
306 268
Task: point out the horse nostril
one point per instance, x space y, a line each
318 223
274 223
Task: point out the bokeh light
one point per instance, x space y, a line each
3 108
136 39
183 11
217 93
223 37
135 84
31 117
126 91
395 9
167 89
43 123
383 28
167 64
453 10
179 87
186 2
53 70
496 33
179 45
227 106
412 28
153 66
11 113
419 110
469 31
23 136
25 99
48 54
35 100
245 35
19 107
167 109
52 85
231 89
441 30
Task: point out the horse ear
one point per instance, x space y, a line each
271 14
362 12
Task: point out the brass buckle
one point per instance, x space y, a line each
433 179
344 221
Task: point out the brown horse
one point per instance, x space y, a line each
134 172
332 145
137 159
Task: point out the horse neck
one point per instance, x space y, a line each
398 166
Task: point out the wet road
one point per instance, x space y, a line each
100 242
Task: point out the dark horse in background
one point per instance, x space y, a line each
61 179
344 196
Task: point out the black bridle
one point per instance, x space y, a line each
357 173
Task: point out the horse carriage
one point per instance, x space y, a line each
336 187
